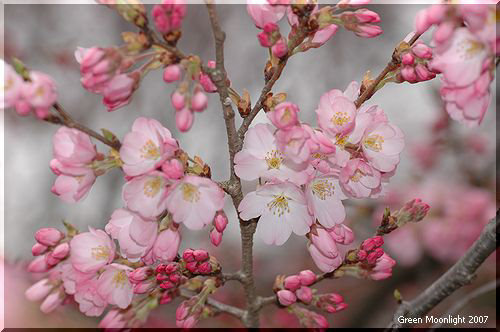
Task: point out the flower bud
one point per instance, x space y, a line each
422 51
173 169
286 297
172 73
178 101
38 265
408 74
307 277
200 255
280 48
215 237
408 59
366 16
284 116
204 268
368 30
292 283
51 302
38 249
39 290
61 251
140 274
48 236
304 294
220 221
188 255
199 102
184 119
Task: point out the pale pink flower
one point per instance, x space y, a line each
341 234
118 91
40 92
173 169
194 201
72 183
12 85
282 208
146 147
72 147
166 246
71 277
324 200
91 250
262 12
383 268
322 240
324 263
146 194
284 116
336 113
294 143
135 235
286 297
89 300
261 158
114 286
358 179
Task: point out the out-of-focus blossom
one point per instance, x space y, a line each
263 13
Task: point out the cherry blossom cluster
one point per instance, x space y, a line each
415 63
465 46
321 23
33 93
306 173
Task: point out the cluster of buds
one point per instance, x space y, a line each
49 248
49 290
360 22
370 260
103 72
330 302
295 288
271 37
324 245
413 211
371 250
415 64
190 311
199 262
168 18
220 223
28 92
169 277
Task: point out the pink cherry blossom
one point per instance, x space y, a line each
114 286
336 113
72 183
146 194
118 91
48 236
358 179
284 116
260 157
71 277
194 201
166 246
282 208
324 263
262 12
173 169
89 300
383 268
98 66
40 92
146 147
294 143
12 85
91 250
324 200
73 147
135 235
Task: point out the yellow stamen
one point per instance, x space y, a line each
323 189
274 159
153 186
190 193
100 253
357 176
279 205
340 118
374 142
120 279
150 150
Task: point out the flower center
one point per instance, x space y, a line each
39 92
9 83
374 142
357 176
323 189
318 155
470 48
153 186
150 150
100 253
190 193
120 279
340 118
287 115
279 205
341 140
274 159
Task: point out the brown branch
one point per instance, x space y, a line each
393 64
459 275
65 119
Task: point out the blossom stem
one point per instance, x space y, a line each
221 307
393 64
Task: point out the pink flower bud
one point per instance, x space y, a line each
166 298
307 277
286 297
270 28
215 237
372 243
39 290
184 119
444 32
23 108
182 311
341 234
167 285
166 245
38 249
172 73
408 59
325 243
48 236
173 169
192 266
143 287
220 221
304 294
292 283
284 116
423 74
408 74
204 268
61 251
422 51
263 14
366 16
50 260
362 255
118 91
178 100
280 48
323 35
200 255
199 102
113 320
140 274
205 80
368 30
51 302
264 39
188 255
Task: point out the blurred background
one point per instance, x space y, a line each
445 164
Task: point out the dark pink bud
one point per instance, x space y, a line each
175 278
220 221
191 266
292 283
378 240
280 48
188 255
167 285
48 236
408 59
362 255
304 294
204 268
307 277
166 298
171 268
140 274
215 237
264 39
270 28
200 255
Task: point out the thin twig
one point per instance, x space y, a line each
221 307
459 275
